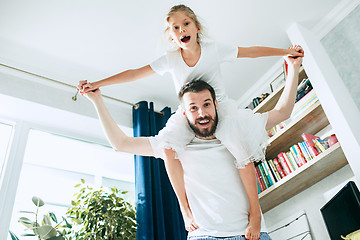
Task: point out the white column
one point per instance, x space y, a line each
10 177
334 97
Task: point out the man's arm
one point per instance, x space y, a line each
285 105
255 52
117 138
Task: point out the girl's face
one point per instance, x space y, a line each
183 30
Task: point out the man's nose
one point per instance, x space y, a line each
201 112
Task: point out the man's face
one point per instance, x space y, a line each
200 111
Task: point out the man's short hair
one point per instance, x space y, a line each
196 86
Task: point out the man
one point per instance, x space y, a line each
218 198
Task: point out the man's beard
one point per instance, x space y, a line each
204 132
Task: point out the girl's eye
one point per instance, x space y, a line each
187 23
176 28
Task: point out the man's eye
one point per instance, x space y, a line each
193 109
207 104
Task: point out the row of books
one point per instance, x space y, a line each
273 170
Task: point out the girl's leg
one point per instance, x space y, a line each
248 178
176 175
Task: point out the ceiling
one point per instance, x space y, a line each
91 39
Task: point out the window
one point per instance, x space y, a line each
54 164
5 135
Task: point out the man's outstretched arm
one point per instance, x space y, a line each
116 137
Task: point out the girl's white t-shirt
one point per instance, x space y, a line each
215 192
207 68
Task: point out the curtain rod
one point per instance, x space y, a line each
69 85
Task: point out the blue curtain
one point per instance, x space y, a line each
157 210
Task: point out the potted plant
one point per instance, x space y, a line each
100 214
49 228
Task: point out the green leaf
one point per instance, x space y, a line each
78 185
46 220
46 232
37 201
28 235
57 238
13 236
67 224
53 217
27 222
27 212
83 181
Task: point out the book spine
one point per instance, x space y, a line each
309 143
277 174
293 154
266 180
300 154
279 168
267 168
283 163
292 160
304 152
290 164
261 181
307 150
319 145
258 180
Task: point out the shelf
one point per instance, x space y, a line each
312 172
270 102
311 121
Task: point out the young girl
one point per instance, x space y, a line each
195 59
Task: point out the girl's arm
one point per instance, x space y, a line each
125 76
176 175
248 178
286 102
254 52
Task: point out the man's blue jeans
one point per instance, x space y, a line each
263 236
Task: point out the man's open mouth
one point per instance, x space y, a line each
185 39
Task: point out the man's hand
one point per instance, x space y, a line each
293 60
94 96
252 231
296 51
189 221
85 87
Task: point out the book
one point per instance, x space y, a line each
300 154
292 160
267 168
276 173
310 144
304 103
307 157
303 88
284 164
279 168
261 181
260 185
262 172
307 150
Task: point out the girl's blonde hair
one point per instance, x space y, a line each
187 11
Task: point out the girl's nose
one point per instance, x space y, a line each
182 29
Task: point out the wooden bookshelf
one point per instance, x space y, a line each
312 172
311 121
270 102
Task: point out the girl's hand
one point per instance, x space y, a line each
93 96
85 87
296 51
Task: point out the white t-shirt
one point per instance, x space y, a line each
215 192
207 68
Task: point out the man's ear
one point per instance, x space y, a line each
216 103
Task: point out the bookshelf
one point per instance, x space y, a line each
311 121
312 172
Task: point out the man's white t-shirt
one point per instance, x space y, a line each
215 192
207 68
